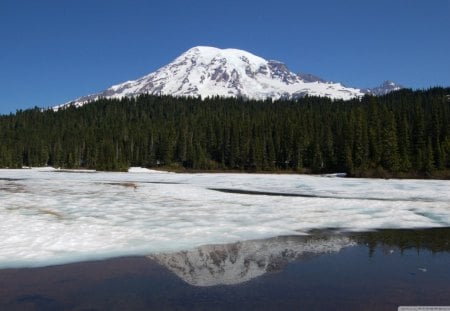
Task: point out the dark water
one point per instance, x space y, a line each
382 271
308 195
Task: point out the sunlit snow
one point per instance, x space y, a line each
54 216
204 71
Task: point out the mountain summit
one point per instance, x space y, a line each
383 89
207 71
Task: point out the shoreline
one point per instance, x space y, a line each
369 174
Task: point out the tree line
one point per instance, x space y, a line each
404 133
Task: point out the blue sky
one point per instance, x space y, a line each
52 51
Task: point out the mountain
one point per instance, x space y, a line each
308 77
383 89
207 71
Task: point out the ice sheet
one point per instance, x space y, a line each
54 216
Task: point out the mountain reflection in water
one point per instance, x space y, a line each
235 263
385 269
230 264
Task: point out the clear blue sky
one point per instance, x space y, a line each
52 51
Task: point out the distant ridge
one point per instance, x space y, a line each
383 89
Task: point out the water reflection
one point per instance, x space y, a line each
434 240
239 262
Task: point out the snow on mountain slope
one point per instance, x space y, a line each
208 71
383 89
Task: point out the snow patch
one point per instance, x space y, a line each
144 170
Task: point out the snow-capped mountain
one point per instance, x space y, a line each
208 71
383 89
308 77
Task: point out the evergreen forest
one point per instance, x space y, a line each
402 134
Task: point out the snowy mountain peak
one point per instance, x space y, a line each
386 87
207 54
204 71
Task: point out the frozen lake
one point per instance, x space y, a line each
50 216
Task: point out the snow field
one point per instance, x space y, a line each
53 216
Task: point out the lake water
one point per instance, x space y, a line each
50 216
379 271
220 241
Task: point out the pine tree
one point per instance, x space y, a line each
390 155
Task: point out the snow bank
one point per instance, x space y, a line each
144 170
